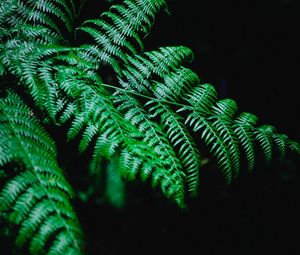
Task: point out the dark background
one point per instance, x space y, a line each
249 50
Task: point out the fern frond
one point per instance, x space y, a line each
98 120
38 198
153 134
137 72
138 160
281 140
176 84
6 9
244 125
45 13
166 59
267 137
144 120
181 139
93 112
264 135
39 34
212 138
214 126
222 119
34 67
115 31
202 98
294 146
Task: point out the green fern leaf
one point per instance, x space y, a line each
114 31
244 125
281 141
222 119
153 134
176 84
38 198
263 135
140 68
182 140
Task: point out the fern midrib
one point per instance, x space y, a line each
251 159
29 14
112 114
27 153
218 140
181 129
148 97
157 136
191 147
232 143
270 145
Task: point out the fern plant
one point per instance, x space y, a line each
146 125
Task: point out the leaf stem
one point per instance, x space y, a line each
148 97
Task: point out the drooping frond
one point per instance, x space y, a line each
181 139
212 138
140 69
203 98
264 135
118 31
153 134
169 83
37 199
176 84
294 146
42 14
171 184
95 116
222 118
281 140
34 67
244 125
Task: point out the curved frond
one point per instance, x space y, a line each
222 119
52 15
100 122
212 138
117 34
281 140
264 136
153 135
181 139
244 125
140 69
34 67
176 84
37 199
202 98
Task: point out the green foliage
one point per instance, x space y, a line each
147 125
37 197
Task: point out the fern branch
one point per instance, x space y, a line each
180 137
37 199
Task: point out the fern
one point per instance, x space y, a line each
38 197
243 129
179 136
147 125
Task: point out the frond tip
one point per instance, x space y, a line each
37 199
